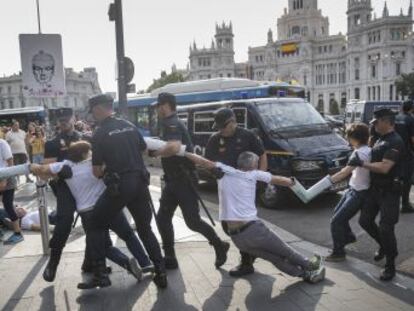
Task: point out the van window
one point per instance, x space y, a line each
183 117
203 122
142 118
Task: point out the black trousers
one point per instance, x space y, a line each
179 192
407 182
65 209
134 195
386 202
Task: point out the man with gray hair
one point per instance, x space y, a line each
237 194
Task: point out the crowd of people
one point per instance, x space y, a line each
98 175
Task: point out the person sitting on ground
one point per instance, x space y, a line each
237 195
28 220
353 199
86 189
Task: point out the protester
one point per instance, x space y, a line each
237 194
354 198
37 144
7 187
16 138
28 220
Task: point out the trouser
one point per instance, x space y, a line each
65 209
134 194
407 182
245 258
7 198
347 208
260 241
385 201
179 192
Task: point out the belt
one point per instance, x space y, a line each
240 229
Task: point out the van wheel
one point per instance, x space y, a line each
274 199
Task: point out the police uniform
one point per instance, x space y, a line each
384 197
227 150
179 173
65 203
118 145
404 126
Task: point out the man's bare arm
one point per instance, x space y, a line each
343 174
98 171
282 181
199 160
263 162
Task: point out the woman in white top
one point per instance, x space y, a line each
353 200
86 189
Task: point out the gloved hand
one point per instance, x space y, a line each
355 160
217 173
66 172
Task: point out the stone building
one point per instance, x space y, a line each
334 69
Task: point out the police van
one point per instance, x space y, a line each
297 140
363 111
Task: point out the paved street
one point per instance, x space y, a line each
197 285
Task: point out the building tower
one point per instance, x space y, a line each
296 5
224 36
359 14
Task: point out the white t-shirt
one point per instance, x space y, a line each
32 218
360 179
237 193
16 141
85 187
5 153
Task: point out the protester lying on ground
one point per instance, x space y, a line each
28 220
86 189
237 194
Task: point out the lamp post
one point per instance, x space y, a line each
38 17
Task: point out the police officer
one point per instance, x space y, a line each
56 151
404 125
116 156
225 146
384 194
180 180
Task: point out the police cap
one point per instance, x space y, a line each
101 99
222 118
166 98
63 114
381 113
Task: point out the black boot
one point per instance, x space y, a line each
379 255
49 273
160 278
87 267
100 278
221 248
244 268
170 259
389 272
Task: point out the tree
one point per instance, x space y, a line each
405 85
333 107
165 79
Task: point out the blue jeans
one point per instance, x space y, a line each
350 204
37 158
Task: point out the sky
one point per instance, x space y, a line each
158 33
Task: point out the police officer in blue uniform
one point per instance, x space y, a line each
404 126
56 151
225 146
386 167
116 157
180 180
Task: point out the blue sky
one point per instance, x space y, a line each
157 32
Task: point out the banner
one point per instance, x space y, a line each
42 65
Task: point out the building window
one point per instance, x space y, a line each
357 93
391 92
2 105
369 92
11 103
357 74
229 75
374 71
9 89
379 92
1 90
357 20
398 69
305 80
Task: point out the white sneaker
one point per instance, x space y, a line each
135 269
317 271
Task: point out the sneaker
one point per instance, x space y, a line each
316 272
148 269
336 257
135 269
14 239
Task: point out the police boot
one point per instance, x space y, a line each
87 267
221 248
100 277
160 278
389 272
170 259
49 273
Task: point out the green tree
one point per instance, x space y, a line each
405 85
165 79
333 107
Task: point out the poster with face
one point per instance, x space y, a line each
42 65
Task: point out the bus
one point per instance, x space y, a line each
363 111
25 115
187 93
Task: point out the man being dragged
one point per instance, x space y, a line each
237 192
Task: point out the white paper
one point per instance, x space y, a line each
7 172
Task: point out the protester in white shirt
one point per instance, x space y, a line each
17 140
353 200
237 196
86 189
7 187
28 220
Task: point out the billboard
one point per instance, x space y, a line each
43 73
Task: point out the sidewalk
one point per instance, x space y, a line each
197 285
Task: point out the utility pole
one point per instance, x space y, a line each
38 17
124 77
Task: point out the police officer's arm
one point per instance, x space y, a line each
391 156
173 135
199 160
98 168
256 146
